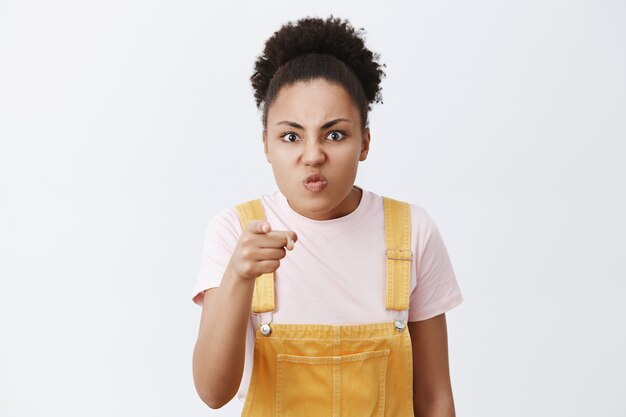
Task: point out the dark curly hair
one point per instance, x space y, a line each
316 48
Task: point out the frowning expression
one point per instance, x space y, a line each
314 142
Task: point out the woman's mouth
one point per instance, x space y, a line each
315 182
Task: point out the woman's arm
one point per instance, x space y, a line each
219 354
218 357
432 390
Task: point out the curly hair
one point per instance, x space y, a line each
314 48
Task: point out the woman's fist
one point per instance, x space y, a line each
260 249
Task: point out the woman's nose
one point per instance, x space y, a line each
313 154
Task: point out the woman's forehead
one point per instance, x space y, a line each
312 103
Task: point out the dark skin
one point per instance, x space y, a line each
432 390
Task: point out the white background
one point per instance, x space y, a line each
126 125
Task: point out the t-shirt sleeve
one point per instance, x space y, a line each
436 290
220 239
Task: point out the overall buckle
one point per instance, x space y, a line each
399 254
265 328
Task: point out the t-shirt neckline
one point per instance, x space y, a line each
326 225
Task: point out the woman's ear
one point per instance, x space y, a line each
365 144
267 154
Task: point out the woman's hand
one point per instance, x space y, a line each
260 249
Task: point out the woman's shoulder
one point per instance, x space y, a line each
228 217
419 214
226 220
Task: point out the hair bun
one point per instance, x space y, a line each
332 36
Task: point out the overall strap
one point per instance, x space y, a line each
398 253
263 297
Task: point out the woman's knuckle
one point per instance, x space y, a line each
249 270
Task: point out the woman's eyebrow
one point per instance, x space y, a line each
324 126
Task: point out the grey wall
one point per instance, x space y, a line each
126 125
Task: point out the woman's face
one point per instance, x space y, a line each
305 137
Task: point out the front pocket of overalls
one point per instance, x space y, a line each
325 386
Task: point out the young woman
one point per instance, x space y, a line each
322 298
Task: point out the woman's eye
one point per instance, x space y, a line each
336 135
289 137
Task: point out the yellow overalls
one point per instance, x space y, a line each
321 370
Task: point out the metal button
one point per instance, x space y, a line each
400 325
266 329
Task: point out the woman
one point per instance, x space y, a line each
352 320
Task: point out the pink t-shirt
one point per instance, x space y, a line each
336 272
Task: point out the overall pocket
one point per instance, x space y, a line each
326 386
